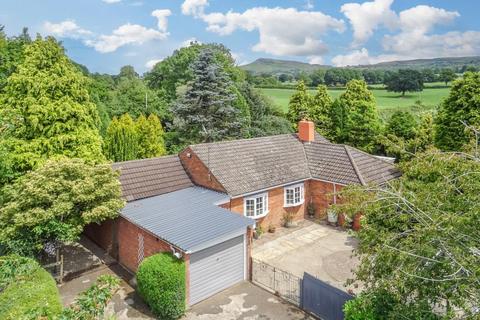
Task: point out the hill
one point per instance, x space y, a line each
274 66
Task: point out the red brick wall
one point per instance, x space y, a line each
321 195
275 207
102 235
198 172
128 244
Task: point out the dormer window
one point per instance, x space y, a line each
256 206
294 195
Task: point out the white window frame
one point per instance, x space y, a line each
256 200
294 190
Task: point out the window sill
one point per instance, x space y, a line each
259 216
293 205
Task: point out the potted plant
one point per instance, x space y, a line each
258 232
311 210
271 228
332 216
288 220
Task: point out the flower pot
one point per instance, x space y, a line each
341 220
356 222
332 216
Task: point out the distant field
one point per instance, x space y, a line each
387 102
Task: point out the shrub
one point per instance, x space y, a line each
27 290
161 283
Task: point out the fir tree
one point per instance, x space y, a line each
45 110
121 141
207 112
320 111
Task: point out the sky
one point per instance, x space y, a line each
104 35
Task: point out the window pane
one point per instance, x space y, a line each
259 205
297 195
289 195
250 208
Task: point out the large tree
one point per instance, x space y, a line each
447 75
419 244
299 104
121 140
150 137
54 202
207 111
355 118
402 124
45 110
404 80
320 111
11 53
462 106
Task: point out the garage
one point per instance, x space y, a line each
217 268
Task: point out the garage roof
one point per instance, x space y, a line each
189 219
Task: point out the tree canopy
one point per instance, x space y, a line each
45 110
419 238
460 108
404 80
54 203
355 118
402 124
207 111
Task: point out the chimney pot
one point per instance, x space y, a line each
306 131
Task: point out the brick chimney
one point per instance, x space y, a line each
306 131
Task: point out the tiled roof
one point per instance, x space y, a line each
247 165
151 177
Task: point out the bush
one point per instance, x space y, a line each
27 290
161 283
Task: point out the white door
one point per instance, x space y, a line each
216 268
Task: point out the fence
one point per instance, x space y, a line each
309 293
281 283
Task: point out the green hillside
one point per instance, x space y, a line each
273 66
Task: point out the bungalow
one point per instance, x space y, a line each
203 203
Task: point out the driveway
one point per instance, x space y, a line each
321 250
244 301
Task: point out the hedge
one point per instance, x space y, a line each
161 283
26 290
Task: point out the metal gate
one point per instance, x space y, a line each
281 283
322 299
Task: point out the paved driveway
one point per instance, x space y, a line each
320 250
244 301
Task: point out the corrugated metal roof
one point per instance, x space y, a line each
189 219
151 177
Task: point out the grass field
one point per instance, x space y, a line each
387 102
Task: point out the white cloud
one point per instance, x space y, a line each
415 41
309 5
421 19
111 1
123 35
66 29
194 7
162 17
188 42
151 63
315 60
283 31
365 18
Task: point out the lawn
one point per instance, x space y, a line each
387 102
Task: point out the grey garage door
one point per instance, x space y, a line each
216 268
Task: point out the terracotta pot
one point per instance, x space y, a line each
341 219
356 222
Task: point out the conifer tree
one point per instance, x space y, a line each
207 111
121 141
45 110
355 117
150 137
299 105
320 111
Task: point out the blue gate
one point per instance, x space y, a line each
322 299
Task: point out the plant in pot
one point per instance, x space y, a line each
311 210
288 220
271 228
258 232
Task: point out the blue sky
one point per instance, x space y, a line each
107 34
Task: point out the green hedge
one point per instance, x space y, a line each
161 283
26 290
